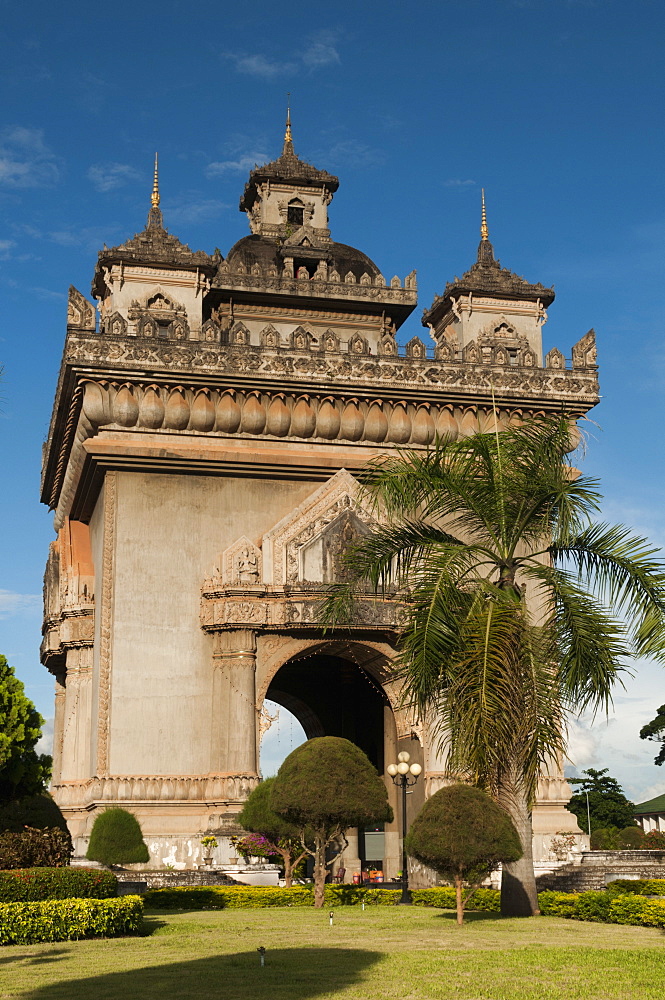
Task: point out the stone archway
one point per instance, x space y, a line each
343 688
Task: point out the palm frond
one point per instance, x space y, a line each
592 645
620 567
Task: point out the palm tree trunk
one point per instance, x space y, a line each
519 897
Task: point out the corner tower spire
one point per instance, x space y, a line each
485 248
288 149
155 219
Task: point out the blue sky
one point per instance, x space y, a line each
554 106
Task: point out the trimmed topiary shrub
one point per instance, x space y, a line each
69 919
116 839
37 811
31 848
323 787
463 834
25 885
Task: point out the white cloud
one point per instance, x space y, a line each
109 176
192 209
259 65
45 742
614 742
242 163
458 182
26 160
5 247
321 51
14 604
351 153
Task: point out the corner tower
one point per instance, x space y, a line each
490 314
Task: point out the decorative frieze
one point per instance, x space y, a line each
278 610
123 789
204 410
472 378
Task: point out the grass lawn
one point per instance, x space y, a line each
379 954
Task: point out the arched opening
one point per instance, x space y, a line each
333 695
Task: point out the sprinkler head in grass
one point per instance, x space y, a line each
262 956
331 918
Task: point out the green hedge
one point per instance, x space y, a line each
257 897
638 886
604 907
25 885
69 919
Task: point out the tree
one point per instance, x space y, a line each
283 838
463 835
612 839
116 839
517 605
608 806
655 730
23 772
39 812
323 787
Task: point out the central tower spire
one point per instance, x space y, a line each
155 219
288 149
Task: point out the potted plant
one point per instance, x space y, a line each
208 844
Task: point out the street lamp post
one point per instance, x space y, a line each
404 774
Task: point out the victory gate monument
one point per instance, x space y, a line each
211 415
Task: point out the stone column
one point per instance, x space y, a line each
234 715
58 724
392 861
76 722
349 859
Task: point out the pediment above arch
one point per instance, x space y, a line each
307 546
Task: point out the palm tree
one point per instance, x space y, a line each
518 606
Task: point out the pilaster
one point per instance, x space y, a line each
234 712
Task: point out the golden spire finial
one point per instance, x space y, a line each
154 198
484 231
288 138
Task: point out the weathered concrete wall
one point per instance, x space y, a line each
170 531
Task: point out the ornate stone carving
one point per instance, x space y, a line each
555 359
342 368
240 564
584 351
80 313
416 349
284 546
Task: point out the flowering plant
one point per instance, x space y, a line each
254 845
209 842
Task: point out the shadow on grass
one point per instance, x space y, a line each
150 925
289 974
470 916
43 959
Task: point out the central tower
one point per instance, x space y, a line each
201 464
